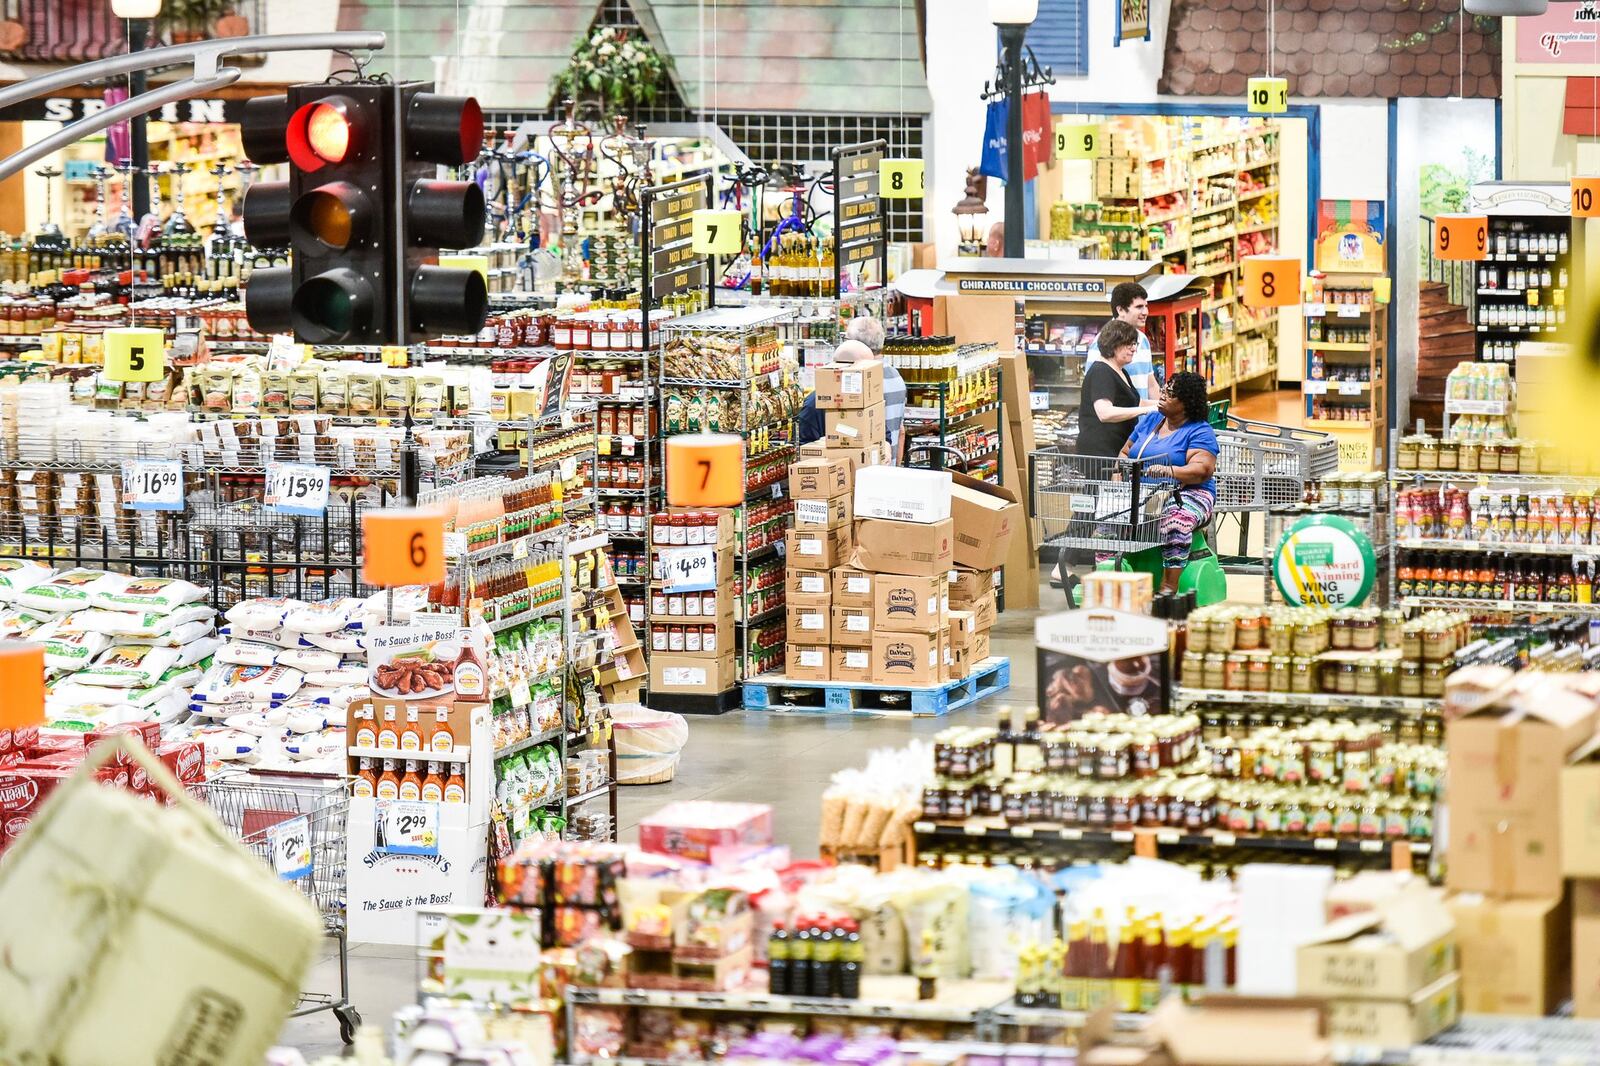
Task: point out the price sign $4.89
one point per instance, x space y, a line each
691 569
152 485
296 488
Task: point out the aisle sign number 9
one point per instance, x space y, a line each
901 179
402 547
1586 197
135 354
1076 140
716 232
1461 237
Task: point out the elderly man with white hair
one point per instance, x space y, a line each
863 340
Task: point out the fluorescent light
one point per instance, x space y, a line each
136 9
1013 12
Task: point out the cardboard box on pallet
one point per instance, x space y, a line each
819 515
851 587
900 494
852 664
849 386
909 604
1515 953
985 518
911 548
982 609
852 627
1580 812
911 660
1586 948
856 428
967 584
810 620
808 662
692 675
818 549
800 582
820 478
855 458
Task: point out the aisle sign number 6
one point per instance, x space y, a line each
402 547
135 354
1076 140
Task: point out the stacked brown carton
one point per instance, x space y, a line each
692 647
1521 820
822 538
905 543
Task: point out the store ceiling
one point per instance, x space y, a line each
1330 48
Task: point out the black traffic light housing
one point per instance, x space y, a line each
364 213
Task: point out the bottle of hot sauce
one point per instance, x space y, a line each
1197 962
432 785
1125 970
1152 960
411 782
455 786
1074 984
1098 987
411 730
388 786
366 782
1179 960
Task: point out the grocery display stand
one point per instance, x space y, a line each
1345 384
1526 275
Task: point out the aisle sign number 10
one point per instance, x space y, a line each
1267 96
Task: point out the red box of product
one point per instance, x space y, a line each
147 733
187 761
22 793
40 746
691 828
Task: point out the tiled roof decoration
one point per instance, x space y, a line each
1332 48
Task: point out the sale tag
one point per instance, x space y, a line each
407 827
901 179
297 488
1038 401
690 569
1077 140
289 842
134 354
1267 96
152 485
716 232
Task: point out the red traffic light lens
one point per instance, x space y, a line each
324 131
328 133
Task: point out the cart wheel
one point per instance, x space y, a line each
349 1022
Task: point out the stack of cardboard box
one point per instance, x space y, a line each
693 650
1522 802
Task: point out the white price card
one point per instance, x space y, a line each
690 569
1313 310
1038 401
407 827
1350 310
455 544
289 842
152 485
297 488
1350 388
1314 388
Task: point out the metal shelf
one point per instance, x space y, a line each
544 611
756 1003
1214 838
1513 606
1312 700
1435 544
592 794
531 742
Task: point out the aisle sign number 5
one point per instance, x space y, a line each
1267 96
901 179
1075 140
716 232
135 355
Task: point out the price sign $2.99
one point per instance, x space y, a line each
296 488
408 827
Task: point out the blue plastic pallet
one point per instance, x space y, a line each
859 697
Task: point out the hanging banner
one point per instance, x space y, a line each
1037 146
1133 21
993 160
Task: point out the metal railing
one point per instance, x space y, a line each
1459 278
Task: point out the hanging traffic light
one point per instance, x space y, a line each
363 213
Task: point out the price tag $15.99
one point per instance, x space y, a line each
295 488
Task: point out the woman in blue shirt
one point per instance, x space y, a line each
1177 444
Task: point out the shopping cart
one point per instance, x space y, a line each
296 824
1102 505
1262 465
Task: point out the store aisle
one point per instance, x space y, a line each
1284 406
784 760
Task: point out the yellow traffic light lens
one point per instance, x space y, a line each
328 132
330 221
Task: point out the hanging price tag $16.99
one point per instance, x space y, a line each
152 485
408 827
296 488
290 844
692 569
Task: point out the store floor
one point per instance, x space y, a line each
1285 406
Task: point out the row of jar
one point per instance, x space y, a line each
1397 769
1261 671
1425 452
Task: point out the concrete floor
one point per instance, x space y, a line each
785 760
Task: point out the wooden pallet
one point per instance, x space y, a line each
693 703
774 692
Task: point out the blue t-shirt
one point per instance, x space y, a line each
1143 367
1173 449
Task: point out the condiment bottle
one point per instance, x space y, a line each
366 782
366 729
441 740
470 678
388 730
455 786
411 782
388 786
432 785
411 732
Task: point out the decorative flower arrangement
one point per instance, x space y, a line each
617 65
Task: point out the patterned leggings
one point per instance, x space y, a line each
1187 511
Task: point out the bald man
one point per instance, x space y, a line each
813 424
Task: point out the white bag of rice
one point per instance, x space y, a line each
144 625
198 651
273 634
129 666
345 642
309 659
324 616
19 575
247 653
72 693
262 613
257 723
338 677
20 623
226 684
70 590
149 594
68 648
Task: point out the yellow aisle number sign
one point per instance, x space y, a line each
901 179
716 232
1077 140
134 354
1267 96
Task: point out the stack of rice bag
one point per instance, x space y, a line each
117 649
279 688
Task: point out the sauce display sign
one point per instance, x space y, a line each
432 658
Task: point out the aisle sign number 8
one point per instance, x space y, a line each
901 179
1267 96
1077 141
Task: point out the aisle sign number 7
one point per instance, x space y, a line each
715 232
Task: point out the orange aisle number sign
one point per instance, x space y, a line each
403 546
1271 281
1267 96
21 686
1461 237
134 354
1077 140
901 179
1586 197
705 470
716 232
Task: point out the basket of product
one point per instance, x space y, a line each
649 744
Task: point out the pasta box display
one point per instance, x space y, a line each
1101 661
